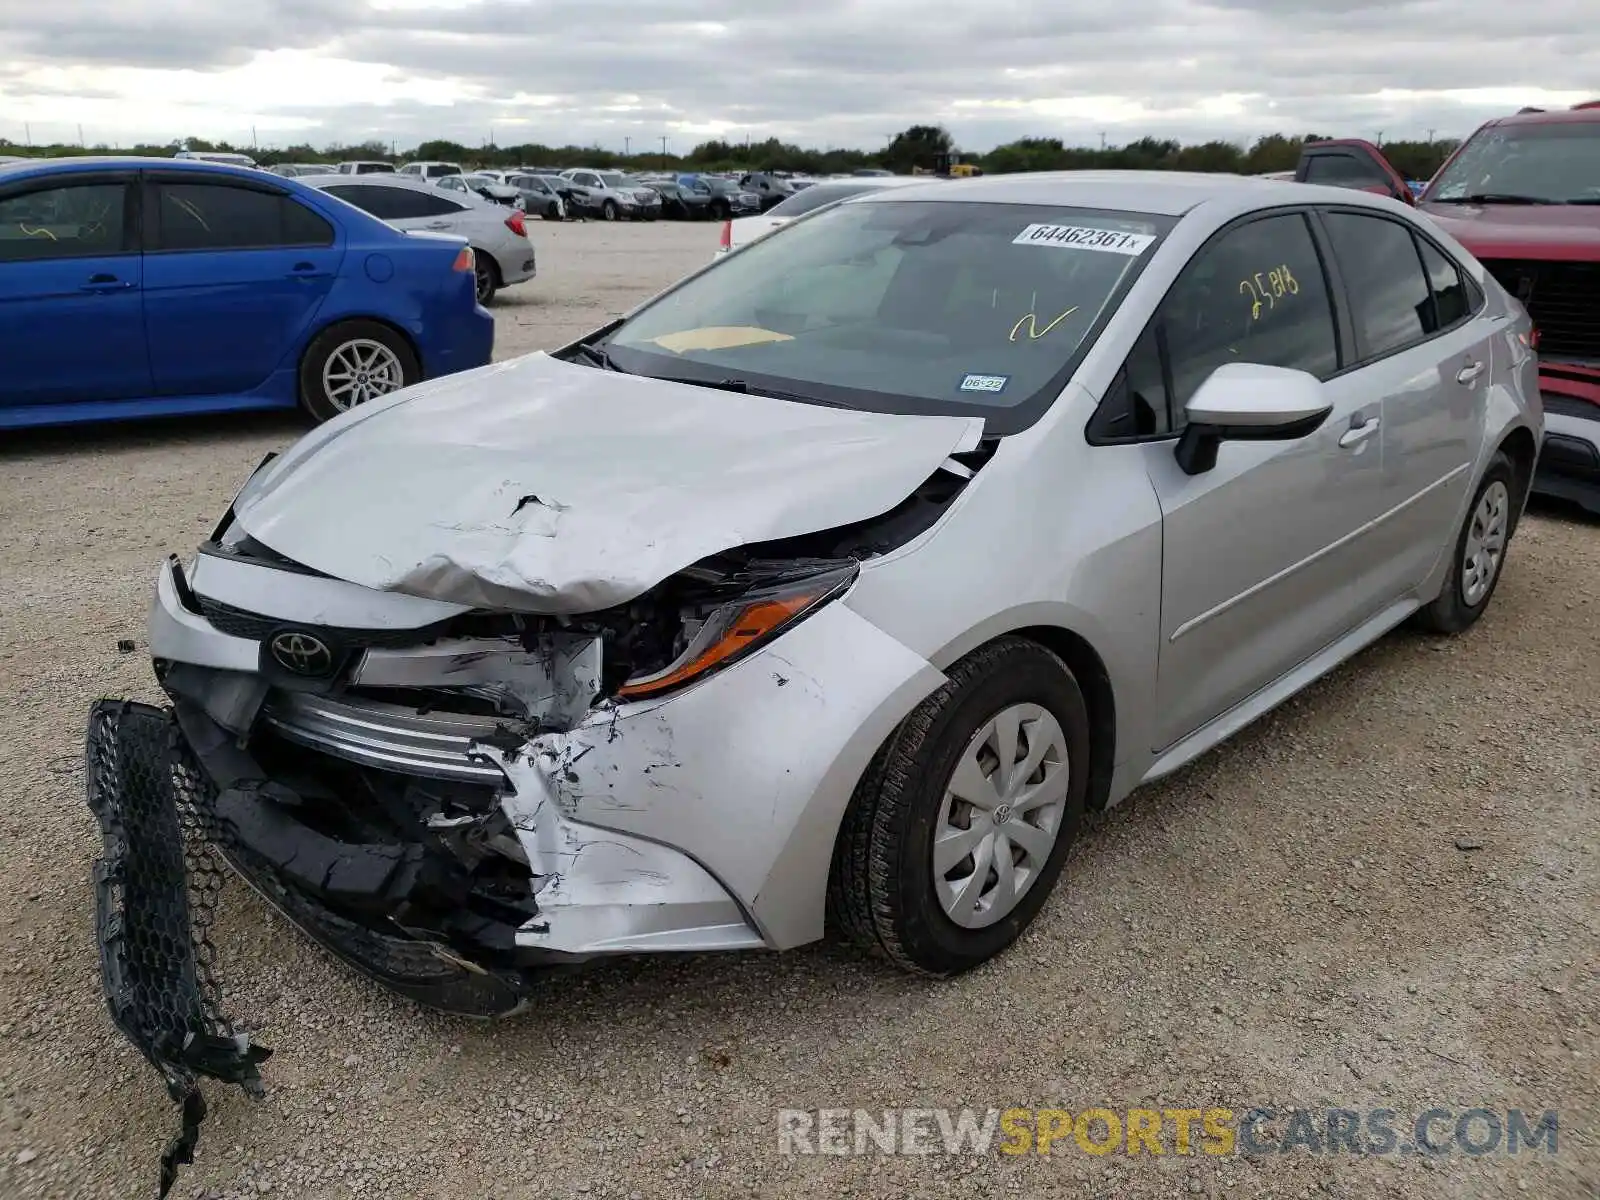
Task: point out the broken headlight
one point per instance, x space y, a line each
727 628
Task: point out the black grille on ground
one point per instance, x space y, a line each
1562 297
156 888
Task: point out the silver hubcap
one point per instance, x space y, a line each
359 371
1486 543
1001 815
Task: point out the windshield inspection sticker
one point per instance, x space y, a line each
985 383
1079 237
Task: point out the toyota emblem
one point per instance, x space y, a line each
302 653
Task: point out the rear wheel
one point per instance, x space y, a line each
1479 554
959 828
351 363
486 276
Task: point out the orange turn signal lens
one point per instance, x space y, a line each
463 260
738 627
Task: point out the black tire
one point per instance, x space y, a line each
1450 611
718 210
608 211
315 398
552 211
881 888
486 276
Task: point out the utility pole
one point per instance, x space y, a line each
1380 137
1102 139
80 137
27 133
1430 137
663 146
252 137
627 147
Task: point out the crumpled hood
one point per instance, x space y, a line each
1556 231
537 485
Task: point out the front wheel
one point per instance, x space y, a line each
351 363
720 211
1478 554
608 211
959 828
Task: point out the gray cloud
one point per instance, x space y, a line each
853 71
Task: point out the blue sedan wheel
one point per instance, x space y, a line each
351 363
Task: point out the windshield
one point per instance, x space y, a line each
1557 162
614 179
901 306
816 197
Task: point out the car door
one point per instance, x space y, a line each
71 290
235 271
1422 353
1352 163
1263 555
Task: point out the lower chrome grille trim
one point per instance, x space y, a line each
386 736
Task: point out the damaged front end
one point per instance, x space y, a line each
400 776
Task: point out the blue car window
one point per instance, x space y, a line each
212 216
71 221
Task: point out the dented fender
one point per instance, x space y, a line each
745 775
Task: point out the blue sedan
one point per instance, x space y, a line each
135 287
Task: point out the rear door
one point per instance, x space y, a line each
71 294
235 271
1352 163
1426 358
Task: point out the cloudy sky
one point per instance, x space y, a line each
817 72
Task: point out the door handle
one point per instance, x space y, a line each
1469 372
305 270
437 225
1357 434
103 283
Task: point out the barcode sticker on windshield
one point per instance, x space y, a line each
1078 237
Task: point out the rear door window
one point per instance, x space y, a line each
1389 294
215 216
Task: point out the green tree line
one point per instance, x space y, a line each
917 147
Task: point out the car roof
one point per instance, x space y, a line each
124 162
1577 115
1166 193
377 179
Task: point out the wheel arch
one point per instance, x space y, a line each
1519 446
1094 680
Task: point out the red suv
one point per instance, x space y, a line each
1523 194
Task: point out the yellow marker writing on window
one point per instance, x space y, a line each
1032 322
1268 287
39 232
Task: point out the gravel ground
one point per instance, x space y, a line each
1385 895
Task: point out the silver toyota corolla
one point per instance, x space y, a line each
839 580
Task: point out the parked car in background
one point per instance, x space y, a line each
216 156
481 183
1523 194
612 195
503 254
741 231
291 170
680 199
239 289
772 190
430 170
365 167
539 196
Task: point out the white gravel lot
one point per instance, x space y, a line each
1288 922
